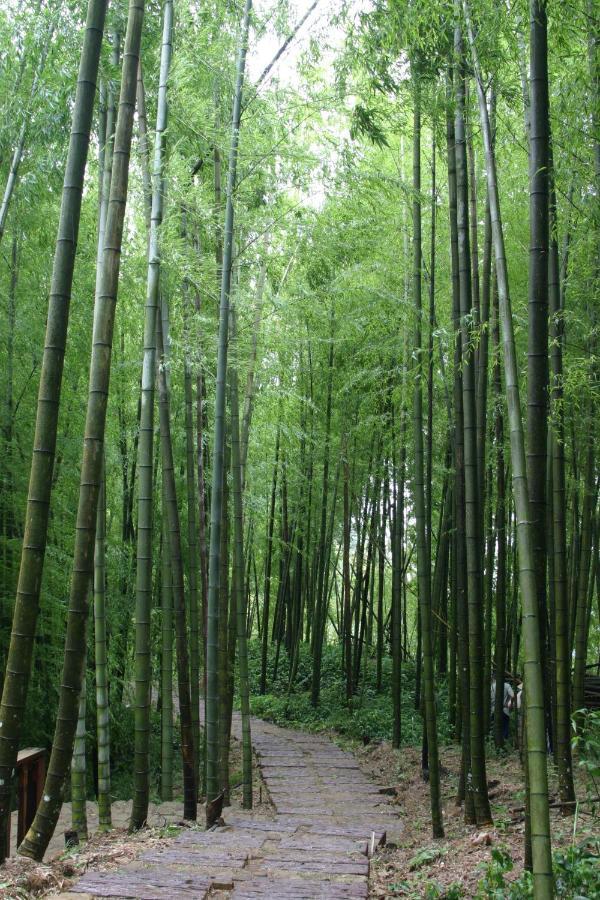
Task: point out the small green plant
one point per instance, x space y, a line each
169 830
502 819
576 874
436 891
494 884
577 871
426 856
586 745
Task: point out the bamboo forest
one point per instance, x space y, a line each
299 481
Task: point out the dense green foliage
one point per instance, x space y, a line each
364 495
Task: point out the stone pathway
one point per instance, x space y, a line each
329 818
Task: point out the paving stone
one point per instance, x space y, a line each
185 858
146 884
299 889
349 831
328 818
318 842
331 868
219 838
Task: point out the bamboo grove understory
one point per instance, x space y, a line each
299 333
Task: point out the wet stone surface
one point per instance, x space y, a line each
328 820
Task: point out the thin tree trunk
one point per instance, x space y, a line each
537 346
99 584
268 569
320 615
177 581
347 614
472 505
238 583
18 668
423 574
166 663
500 645
46 817
102 706
78 767
212 771
194 559
562 724
397 579
463 721
587 527
143 603
249 393
202 515
381 547
534 698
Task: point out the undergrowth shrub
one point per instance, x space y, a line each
367 717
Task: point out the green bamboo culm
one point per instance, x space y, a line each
239 592
78 768
102 711
193 554
166 665
141 778
39 835
320 610
537 313
171 510
534 698
212 690
473 530
18 667
500 643
559 512
423 574
225 659
268 567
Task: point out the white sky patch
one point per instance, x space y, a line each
285 72
262 52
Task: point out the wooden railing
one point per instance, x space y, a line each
31 774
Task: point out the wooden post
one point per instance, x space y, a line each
31 774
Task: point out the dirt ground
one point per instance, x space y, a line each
417 861
411 863
22 878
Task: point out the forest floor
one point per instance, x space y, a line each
411 864
418 865
22 878
326 820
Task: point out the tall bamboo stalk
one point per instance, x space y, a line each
193 555
473 519
239 595
78 767
102 708
537 332
534 698
46 817
562 722
143 602
212 754
177 578
321 601
18 669
423 573
268 567
166 662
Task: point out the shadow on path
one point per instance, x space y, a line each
328 820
